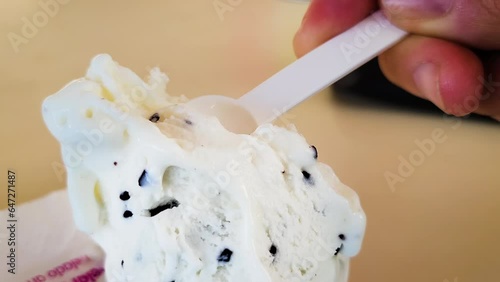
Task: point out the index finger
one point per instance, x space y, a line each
473 23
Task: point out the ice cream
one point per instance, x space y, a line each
171 195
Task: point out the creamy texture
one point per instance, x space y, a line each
171 195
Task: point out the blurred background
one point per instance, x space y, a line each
430 185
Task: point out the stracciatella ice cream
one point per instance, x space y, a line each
171 195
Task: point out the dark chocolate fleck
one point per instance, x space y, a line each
342 237
307 177
155 117
315 151
273 250
115 163
127 214
124 196
187 121
122 263
283 171
225 256
337 251
166 206
143 179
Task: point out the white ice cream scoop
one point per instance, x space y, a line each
305 77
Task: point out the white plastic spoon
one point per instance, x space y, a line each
305 77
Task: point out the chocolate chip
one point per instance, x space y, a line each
187 121
155 117
225 256
115 163
127 214
124 196
315 151
143 179
342 237
122 263
307 177
337 251
273 250
166 206
283 171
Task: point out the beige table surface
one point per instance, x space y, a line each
441 224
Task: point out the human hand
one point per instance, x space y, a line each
451 58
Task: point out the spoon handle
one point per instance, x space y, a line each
321 67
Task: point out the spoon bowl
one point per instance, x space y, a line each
233 116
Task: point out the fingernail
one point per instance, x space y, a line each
426 78
418 8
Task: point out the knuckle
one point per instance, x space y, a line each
482 19
492 9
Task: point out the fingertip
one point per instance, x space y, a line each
325 19
304 41
440 71
459 76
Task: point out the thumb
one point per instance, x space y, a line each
474 23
